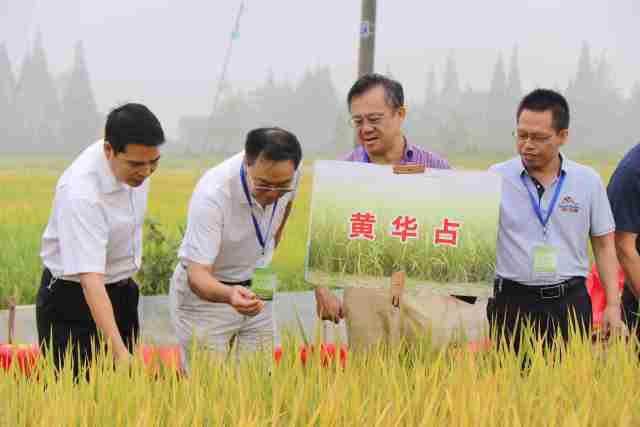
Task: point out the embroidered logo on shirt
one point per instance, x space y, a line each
568 204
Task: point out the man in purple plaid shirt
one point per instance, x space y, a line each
376 104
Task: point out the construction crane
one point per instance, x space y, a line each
235 33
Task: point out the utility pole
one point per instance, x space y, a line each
367 51
367 37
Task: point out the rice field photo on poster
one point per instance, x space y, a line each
439 227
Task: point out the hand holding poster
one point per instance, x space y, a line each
439 227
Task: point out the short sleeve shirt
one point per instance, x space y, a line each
582 210
220 231
624 193
96 221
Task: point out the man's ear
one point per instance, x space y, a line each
563 137
108 150
402 112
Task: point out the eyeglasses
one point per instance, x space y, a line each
268 188
374 120
523 137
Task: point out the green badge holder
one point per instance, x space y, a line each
263 283
545 260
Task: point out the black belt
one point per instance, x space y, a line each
245 283
54 280
123 282
511 287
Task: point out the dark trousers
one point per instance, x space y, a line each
516 307
630 310
64 319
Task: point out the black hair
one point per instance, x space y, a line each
132 124
274 144
541 100
393 91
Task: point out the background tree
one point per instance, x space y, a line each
313 111
499 116
7 94
514 83
81 122
37 104
450 96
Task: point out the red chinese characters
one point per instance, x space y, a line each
448 234
405 227
361 226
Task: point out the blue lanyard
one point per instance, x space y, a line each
261 239
552 205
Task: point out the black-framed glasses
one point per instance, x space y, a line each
523 137
267 188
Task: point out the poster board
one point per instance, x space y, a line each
439 227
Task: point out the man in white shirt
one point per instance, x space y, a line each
92 245
236 216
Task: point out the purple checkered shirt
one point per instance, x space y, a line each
412 154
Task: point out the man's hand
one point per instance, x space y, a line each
328 306
612 322
244 301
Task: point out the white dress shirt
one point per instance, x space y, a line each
220 231
96 221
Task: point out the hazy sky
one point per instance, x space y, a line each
169 53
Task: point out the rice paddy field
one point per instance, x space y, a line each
584 384
417 386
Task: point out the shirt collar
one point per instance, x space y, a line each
240 190
408 153
238 185
563 165
108 180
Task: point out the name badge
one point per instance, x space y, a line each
263 283
545 261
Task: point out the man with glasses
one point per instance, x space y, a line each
376 104
236 218
551 208
92 245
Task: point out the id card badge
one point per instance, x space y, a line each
545 261
263 283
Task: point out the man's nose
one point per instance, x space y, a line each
146 170
366 128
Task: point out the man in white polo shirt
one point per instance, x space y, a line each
236 216
92 245
551 207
